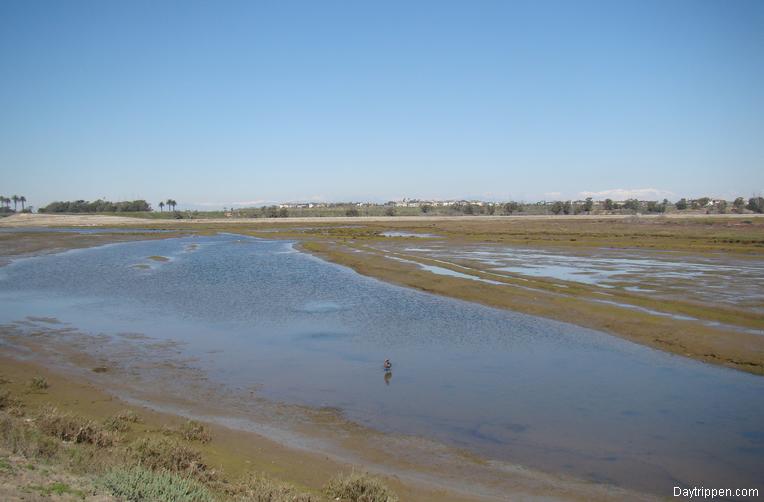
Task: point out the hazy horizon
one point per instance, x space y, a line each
242 103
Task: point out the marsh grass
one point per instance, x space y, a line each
153 467
6 400
192 430
23 439
260 488
73 428
166 454
114 424
128 416
359 487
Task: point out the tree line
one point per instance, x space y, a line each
96 206
5 204
169 203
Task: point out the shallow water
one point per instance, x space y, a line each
398 233
714 279
82 230
509 386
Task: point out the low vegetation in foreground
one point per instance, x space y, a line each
47 452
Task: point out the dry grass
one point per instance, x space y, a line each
165 454
10 404
23 439
73 428
154 466
39 383
192 430
261 488
121 421
128 416
359 487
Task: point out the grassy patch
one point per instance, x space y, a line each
57 488
359 487
159 258
139 484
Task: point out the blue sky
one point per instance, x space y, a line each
216 103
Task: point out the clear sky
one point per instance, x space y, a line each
215 103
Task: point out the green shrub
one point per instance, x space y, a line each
140 484
72 428
359 487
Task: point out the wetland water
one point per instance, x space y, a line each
509 386
712 279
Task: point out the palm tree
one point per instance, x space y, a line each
15 200
22 199
161 206
171 204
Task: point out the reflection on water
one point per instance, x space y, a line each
509 386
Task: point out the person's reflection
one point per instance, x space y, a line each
388 377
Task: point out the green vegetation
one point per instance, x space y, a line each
57 488
97 206
5 204
139 484
756 204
